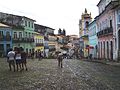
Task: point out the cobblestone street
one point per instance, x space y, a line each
46 75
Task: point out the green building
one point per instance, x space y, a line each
23 30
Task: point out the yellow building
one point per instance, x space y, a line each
39 42
83 32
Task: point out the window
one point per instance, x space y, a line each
25 34
111 23
25 23
20 34
32 35
29 35
29 24
86 24
15 35
8 35
1 33
36 40
32 25
41 40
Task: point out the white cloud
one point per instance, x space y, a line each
53 13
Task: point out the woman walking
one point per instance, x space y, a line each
18 59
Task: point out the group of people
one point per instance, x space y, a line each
17 59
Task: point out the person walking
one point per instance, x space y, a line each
39 55
11 59
23 59
60 59
18 59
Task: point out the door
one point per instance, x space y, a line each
111 53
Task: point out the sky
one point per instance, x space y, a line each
64 14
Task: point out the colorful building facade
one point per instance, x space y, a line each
106 24
93 41
5 39
39 42
23 30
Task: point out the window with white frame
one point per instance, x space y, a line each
29 24
32 24
20 34
26 34
15 35
25 23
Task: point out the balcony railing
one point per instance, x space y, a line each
8 38
104 32
23 40
39 44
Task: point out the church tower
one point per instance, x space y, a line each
83 32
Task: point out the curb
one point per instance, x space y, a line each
104 62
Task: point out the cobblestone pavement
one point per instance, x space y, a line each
46 75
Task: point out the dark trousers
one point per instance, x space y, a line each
60 63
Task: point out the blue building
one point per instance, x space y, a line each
93 39
5 39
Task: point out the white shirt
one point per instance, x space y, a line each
11 55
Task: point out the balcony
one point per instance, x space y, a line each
19 40
30 39
39 44
105 32
23 40
8 38
15 40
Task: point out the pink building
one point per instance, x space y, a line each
106 23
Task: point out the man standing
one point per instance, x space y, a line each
11 59
60 59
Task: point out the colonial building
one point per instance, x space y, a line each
52 40
83 32
93 41
23 30
117 32
5 39
106 23
42 30
49 38
39 42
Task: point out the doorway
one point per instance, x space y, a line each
107 50
111 53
